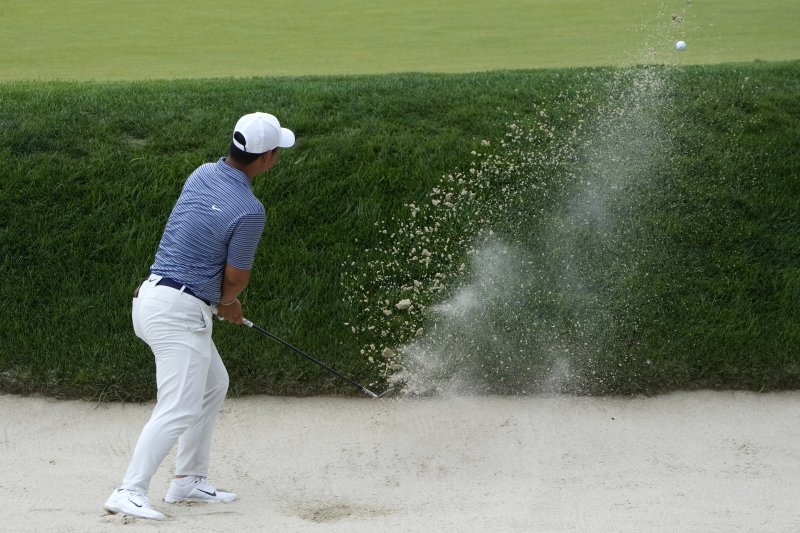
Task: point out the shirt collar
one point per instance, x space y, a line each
234 173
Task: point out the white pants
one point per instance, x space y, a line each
191 378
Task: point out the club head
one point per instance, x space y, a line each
376 396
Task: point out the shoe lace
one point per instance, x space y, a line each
203 482
137 498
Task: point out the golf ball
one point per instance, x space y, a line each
680 45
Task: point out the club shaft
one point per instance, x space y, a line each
297 350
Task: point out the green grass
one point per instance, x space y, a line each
112 40
91 171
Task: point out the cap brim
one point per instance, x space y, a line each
287 138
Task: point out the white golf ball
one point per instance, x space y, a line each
680 45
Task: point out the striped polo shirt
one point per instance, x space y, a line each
216 220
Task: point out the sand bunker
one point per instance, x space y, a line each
682 462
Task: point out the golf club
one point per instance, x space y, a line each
362 388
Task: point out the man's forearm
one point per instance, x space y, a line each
234 281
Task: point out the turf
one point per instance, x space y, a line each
91 171
96 40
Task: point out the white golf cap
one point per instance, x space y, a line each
257 133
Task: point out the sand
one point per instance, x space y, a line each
699 461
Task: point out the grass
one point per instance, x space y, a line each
113 40
92 170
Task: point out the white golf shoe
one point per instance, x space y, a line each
196 489
131 503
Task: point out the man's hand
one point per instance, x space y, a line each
231 312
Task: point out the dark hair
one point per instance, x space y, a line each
240 156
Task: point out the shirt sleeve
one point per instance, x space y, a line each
244 240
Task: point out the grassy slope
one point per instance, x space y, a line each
87 39
89 198
92 170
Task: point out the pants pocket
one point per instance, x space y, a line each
199 321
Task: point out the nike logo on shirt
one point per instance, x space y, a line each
215 208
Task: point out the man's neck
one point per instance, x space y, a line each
247 169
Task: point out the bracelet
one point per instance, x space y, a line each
229 303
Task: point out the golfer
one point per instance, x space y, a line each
202 265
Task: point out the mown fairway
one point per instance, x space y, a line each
112 39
